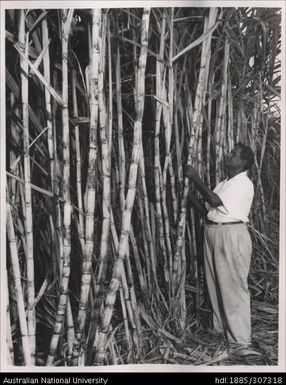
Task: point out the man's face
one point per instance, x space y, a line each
234 160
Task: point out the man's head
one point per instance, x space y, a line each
241 157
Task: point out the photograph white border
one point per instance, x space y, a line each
281 367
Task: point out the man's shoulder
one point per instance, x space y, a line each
247 184
247 179
241 182
243 177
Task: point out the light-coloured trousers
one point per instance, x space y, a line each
227 254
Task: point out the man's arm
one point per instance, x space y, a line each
196 204
212 198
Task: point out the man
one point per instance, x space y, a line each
228 248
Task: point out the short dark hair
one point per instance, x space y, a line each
247 154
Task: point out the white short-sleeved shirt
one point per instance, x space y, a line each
237 195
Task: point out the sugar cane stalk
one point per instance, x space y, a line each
196 119
157 165
221 115
91 182
24 39
18 286
78 164
47 75
129 202
105 170
61 310
9 342
122 161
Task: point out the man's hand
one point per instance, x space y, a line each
212 198
190 172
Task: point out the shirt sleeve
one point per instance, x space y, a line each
233 194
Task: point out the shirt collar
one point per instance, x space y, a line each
238 176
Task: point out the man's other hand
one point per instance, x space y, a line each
190 172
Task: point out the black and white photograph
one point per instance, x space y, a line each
143 185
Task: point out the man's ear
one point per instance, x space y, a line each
244 161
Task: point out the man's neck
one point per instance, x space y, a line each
233 173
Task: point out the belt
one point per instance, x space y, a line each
223 223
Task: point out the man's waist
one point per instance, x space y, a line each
209 222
